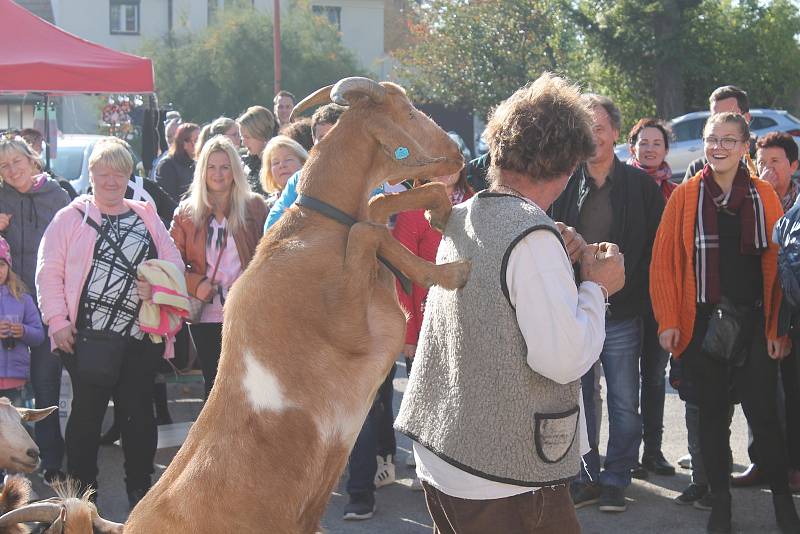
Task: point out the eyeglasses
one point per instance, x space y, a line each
726 143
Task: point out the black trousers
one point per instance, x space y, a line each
755 383
133 396
208 340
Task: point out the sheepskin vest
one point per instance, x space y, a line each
472 398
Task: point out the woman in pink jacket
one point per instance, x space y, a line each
86 283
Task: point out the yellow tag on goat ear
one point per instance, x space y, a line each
401 153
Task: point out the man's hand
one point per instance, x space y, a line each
409 351
669 339
5 220
573 241
779 348
65 339
603 264
769 175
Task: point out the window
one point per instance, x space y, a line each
332 13
688 130
760 123
124 17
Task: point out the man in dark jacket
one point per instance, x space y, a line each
607 200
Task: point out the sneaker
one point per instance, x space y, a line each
685 462
692 493
385 474
584 494
360 507
656 463
52 477
704 502
411 462
612 499
416 485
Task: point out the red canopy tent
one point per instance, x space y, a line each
38 57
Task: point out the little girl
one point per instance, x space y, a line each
20 328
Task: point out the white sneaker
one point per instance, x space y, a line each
416 485
410 460
385 474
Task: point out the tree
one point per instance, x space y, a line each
228 67
476 53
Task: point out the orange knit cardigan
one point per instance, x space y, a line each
672 280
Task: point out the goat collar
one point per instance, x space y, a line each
323 208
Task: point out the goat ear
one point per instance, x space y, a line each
29 415
399 146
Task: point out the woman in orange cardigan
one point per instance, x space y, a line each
713 243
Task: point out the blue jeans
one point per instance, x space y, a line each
620 360
363 458
46 381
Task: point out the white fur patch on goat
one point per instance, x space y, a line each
339 425
262 386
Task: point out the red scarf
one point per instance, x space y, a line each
661 174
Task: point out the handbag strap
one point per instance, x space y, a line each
102 233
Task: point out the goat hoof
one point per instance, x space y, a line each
454 275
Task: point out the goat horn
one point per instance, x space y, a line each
104 526
341 91
38 512
317 98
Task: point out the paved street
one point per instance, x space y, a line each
401 511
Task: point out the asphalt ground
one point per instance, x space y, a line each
401 511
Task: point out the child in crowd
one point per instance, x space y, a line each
20 328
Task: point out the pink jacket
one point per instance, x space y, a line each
65 258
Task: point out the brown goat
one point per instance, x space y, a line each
18 452
14 494
310 331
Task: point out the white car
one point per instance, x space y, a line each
72 159
686 144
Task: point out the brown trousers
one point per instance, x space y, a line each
545 511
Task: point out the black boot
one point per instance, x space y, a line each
111 435
720 520
785 514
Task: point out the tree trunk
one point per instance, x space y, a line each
668 75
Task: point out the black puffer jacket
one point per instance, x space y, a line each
637 205
174 174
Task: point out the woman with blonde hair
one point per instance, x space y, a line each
29 199
216 229
256 126
282 157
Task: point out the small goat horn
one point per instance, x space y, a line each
38 512
104 526
317 98
364 86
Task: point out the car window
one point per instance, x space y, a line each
69 162
759 123
688 130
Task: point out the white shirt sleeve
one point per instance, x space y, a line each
563 326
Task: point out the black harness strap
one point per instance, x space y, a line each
341 217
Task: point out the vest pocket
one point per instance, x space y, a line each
554 434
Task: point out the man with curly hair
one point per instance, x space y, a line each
607 200
493 405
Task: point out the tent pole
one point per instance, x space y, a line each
47 132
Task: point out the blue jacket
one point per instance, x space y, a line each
16 362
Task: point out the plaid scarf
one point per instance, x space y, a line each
743 199
661 174
791 195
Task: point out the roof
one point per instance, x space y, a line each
58 62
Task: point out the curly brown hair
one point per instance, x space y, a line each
543 130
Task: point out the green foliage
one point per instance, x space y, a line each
475 53
653 57
229 66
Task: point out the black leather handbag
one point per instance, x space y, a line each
724 340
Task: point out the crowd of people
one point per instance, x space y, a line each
680 274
